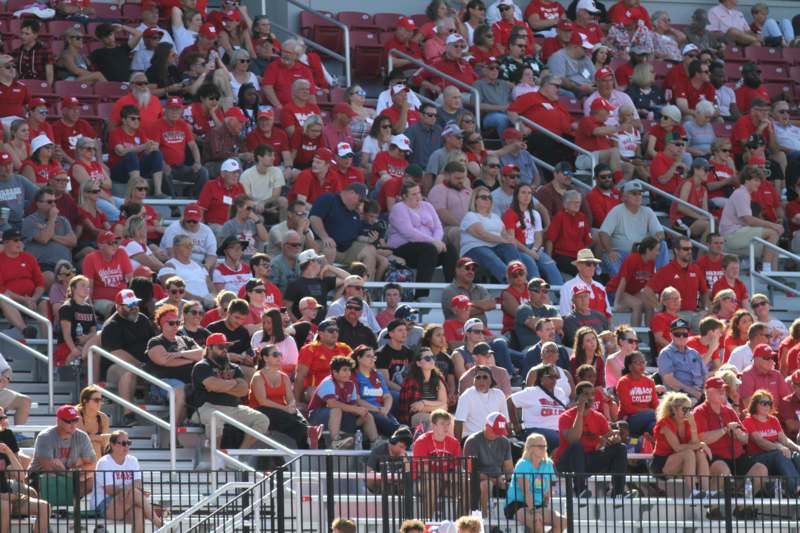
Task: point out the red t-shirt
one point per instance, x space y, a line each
294 115
13 99
427 446
660 134
742 129
307 184
767 430
172 140
600 204
595 425
707 420
792 208
636 394
623 74
391 188
306 147
738 287
346 177
745 95
696 344
545 10
521 297
412 115
550 46
792 359
569 233
719 172
693 94
119 136
768 198
635 271
621 13
502 31
410 48
550 114
317 357
108 277
690 282
20 274
43 172
200 119
592 32
697 193
67 136
480 56
384 162
676 76
587 139
658 167
44 129
281 78
98 220
662 446
460 70
277 139
660 323
217 199
453 330
712 269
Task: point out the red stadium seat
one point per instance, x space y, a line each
773 72
16 5
733 53
88 109
308 21
104 110
109 91
733 71
132 12
386 21
386 36
763 54
794 74
364 38
660 68
572 105
723 129
103 10
356 20
38 87
368 54
337 95
780 90
58 27
56 46
420 20
78 89
791 56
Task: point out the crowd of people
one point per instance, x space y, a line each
251 300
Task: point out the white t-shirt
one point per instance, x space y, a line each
193 274
371 147
204 241
474 407
287 347
183 38
385 100
539 409
741 357
260 186
235 85
108 472
135 248
492 224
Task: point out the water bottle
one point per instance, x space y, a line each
79 331
778 488
748 489
359 445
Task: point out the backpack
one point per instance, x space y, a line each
400 274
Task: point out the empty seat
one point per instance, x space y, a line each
106 11
722 129
16 5
386 21
38 87
309 21
733 53
763 54
420 19
733 71
132 12
111 90
364 38
794 74
780 90
104 110
58 27
791 56
774 72
660 68
368 54
356 20
572 105
337 95
78 89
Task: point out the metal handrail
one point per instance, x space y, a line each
215 452
559 139
169 426
764 277
231 485
674 199
458 83
316 46
48 359
697 244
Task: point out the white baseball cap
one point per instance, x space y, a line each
307 256
588 5
454 38
401 141
344 149
231 165
39 141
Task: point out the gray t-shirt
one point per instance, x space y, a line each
700 137
413 338
444 117
16 193
490 454
424 141
246 231
437 161
579 71
49 445
282 273
526 336
626 228
52 252
500 201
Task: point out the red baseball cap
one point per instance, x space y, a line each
714 383
566 25
208 30
764 351
265 113
580 290
511 133
5 158
601 103
578 40
407 23
232 14
756 160
193 212
152 32
236 113
127 298
217 339
67 413
508 169
106 236
497 423
37 102
70 101
342 107
515 266
460 300
464 261
175 102
604 72
324 154
143 271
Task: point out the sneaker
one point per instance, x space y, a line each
340 443
128 420
585 494
698 495
314 433
30 332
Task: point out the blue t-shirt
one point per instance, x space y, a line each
371 388
343 226
541 478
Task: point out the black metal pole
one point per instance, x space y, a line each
728 488
570 503
384 488
329 489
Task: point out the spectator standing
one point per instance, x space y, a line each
492 451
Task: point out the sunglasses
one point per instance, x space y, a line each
680 335
477 331
484 197
426 358
471 268
765 402
259 290
93 191
482 376
725 150
195 312
177 291
430 115
123 443
143 189
245 61
632 341
172 323
759 304
493 165
3 417
352 308
517 274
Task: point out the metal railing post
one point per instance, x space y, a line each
329 489
458 83
752 267
728 495
768 277
674 199
47 359
561 140
570 502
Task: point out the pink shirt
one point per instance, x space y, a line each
617 99
773 381
721 19
456 202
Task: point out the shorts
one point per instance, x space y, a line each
657 465
511 508
160 394
102 508
8 396
739 241
351 254
739 466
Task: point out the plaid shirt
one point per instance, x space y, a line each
31 63
410 393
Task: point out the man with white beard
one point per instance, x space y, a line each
140 96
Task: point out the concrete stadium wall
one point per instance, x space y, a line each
287 14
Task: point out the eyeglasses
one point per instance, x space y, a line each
293 244
51 202
302 214
470 268
140 83
484 197
123 443
352 308
245 61
426 358
72 422
430 115
685 248
172 323
145 189
632 341
386 127
135 119
476 331
725 150
493 165
680 335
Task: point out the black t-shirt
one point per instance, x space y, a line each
122 334
239 337
180 344
77 314
355 335
316 287
198 336
207 369
303 333
445 364
114 63
6 437
395 361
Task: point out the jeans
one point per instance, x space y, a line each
495 258
110 209
320 416
504 356
642 422
548 269
612 460
496 120
147 165
778 465
782 29
386 424
551 436
612 267
185 173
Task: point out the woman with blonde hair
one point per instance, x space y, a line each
18 146
78 323
730 376
93 421
768 444
678 449
72 63
135 245
136 194
530 492
646 95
